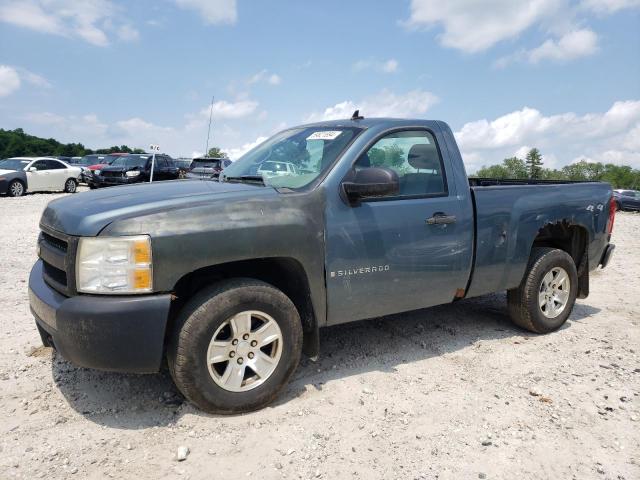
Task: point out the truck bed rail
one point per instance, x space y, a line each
487 182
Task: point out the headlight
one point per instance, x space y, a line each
97 172
116 265
133 173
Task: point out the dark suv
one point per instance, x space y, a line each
136 168
207 167
627 199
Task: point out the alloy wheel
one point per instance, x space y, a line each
244 351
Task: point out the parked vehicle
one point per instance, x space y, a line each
135 168
232 279
627 199
277 168
96 168
184 165
21 174
206 168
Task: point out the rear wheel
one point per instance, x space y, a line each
71 185
16 189
235 347
618 207
545 298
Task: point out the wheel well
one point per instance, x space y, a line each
286 274
573 239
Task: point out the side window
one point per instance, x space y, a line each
413 155
54 165
40 165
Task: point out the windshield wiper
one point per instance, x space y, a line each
245 178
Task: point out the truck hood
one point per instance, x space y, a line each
87 213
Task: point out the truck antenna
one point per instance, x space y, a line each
206 150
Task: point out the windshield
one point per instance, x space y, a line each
130 161
13 164
293 158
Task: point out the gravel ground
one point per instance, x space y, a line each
449 392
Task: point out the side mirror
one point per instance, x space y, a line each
32 169
373 182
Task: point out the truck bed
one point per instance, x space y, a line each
509 214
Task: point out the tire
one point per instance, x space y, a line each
618 207
16 189
207 316
524 302
71 185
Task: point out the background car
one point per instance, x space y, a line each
135 168
205 167
21 174
274 169
627 199
184 165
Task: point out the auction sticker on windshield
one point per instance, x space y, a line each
325 135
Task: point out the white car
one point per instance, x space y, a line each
43 174
273 168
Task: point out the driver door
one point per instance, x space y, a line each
388 255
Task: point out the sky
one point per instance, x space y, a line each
506 75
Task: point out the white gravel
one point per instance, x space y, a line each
450 392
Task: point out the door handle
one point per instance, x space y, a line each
441 219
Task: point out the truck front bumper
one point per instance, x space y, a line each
117 333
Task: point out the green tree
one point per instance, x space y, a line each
513 167
387 156
534 163
216 152
17 143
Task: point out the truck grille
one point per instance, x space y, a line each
108 174
55 242
57 252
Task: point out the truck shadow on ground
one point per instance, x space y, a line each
141 401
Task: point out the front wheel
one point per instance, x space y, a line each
547 293
16 189
70 186
235 347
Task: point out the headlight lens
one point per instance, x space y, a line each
133 173
116 265
97 172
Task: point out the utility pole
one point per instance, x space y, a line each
206 150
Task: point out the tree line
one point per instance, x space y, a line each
17 143
619 176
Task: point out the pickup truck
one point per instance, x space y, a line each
228 281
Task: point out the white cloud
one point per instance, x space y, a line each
609 6
388 66
476 26
9 80
264 76
572 45
575 44
610 136
212 11
237 152
224 109
89 20
383 104
128 34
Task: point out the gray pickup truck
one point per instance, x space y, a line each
230 280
